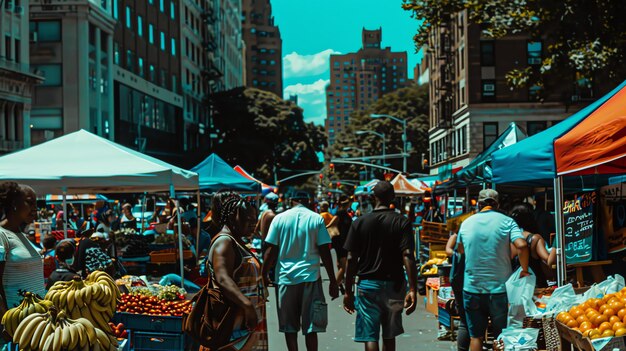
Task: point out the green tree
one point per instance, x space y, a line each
410 103
258 130
584 38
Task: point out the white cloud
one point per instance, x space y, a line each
312 98
316 88
296 65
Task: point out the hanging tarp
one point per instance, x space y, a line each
76 199
598 143
531 162
215 175
478 171
82 162
403 186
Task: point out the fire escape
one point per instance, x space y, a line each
445 57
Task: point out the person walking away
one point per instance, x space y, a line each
344 221
324 212
64 254
263 225
297 240
378 245
485 240
238 272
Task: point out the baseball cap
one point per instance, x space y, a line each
384 190
487 194
271 198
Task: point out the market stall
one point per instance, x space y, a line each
265 189
214 174
82 162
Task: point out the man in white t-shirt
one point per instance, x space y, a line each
297 240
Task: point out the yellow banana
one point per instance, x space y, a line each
48 343
82 334
70 300
66 336
34 341
26 323
80 300
74 336
46 333
99 321
103 339
58 335
26 333
98 307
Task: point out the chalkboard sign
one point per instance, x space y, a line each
579 227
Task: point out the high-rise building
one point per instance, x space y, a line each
471 102
17 79
231 47
360 78
71 44
264 68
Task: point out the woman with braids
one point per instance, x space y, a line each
238 272
21 266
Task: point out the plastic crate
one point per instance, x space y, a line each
141 322
169 256
143 341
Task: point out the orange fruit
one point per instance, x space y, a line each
617 305
620 332
573 324
608 333
624 320
575 312
593 332
561 316
621 313
618 325
583 306
607 297
597 320
585 326
614 319
609 312
604 326
592 314
582 318
603 308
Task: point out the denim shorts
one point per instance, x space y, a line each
378 304
479 308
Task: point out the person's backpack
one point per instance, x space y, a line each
212 318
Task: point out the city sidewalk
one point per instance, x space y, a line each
420 329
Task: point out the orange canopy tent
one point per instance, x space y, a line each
403 186
596 145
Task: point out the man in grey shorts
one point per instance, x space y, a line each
297 240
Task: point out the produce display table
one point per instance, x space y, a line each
152 332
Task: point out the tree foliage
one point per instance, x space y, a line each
585 38
410 103
257 130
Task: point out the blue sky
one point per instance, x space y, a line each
313 30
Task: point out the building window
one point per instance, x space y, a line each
128 17
487 53
130 61
172 10
115 9
140 66
162 41
151 33
51 73
533 50
535 127
140 26
116 53
490 133
162 5
488 90
152 73
46 31
173 47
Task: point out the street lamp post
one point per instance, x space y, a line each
404 141
348 148
381 135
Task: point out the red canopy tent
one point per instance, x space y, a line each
265 188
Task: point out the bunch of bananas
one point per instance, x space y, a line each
30 304
94 298
54 331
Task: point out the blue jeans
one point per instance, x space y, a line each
480 307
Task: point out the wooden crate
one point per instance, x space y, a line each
433 232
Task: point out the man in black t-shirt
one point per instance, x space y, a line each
379 244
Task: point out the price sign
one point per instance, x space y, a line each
579 227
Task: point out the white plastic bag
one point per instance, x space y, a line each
562 299
519 292
612 284
517 339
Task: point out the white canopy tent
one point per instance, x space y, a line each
82 162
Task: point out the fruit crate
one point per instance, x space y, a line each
433 232
575 338
145 341
169 256
147 323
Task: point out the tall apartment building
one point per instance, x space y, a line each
360 78
264 68
470 101
17 79
231 46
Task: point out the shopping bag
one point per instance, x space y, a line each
562 299
519 338
519 292
612 284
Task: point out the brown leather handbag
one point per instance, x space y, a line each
212 317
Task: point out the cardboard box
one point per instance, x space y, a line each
431 300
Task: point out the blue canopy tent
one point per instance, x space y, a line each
215 175
531 162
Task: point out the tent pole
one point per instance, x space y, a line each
467 199
64 212
143 211
198 219
561 264
180 236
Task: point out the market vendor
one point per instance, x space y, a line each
127 220
64 253
21 267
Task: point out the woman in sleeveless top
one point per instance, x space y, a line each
238 272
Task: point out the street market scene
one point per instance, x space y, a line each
250 175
